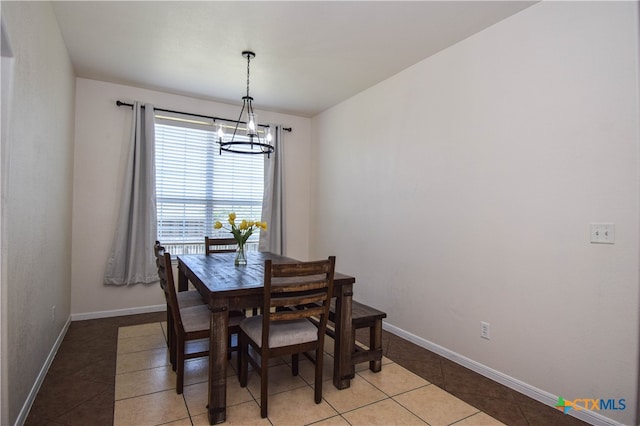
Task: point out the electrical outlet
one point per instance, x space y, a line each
485 330
603 233
53 313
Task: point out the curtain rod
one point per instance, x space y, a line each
120 103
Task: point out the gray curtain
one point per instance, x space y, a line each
132 258
272 240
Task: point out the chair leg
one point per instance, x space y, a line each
264 383
171 339
318 384
295 364
243 360
353 348
180 365
169 327
375 342
173 352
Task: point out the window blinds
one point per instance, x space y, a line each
195 185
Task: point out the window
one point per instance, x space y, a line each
195 185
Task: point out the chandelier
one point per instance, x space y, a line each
251 142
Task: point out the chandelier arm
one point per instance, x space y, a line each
235 129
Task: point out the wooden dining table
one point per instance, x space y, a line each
227 287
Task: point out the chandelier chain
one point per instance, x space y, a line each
248 61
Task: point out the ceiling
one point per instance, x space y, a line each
310 55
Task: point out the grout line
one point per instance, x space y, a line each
143 369
465 418
184 399
144 394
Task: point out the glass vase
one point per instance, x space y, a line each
241 258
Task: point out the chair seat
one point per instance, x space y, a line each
197 318
281 333
187 299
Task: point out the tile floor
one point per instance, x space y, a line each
115 371
145 392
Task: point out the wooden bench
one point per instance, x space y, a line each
363 316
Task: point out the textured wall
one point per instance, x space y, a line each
461 190
37 176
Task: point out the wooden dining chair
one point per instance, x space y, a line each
226 245
293 294
189 324
185 299
220 245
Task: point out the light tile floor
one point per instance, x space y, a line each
145 392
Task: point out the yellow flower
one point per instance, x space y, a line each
241 232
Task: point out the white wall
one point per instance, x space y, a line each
102 134
6 75
461 190
37 155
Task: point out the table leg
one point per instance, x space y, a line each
183 281
344 339
217 406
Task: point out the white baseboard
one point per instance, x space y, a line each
118 312
539 395
26 407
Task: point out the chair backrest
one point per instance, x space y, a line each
220 245
165 272
297 290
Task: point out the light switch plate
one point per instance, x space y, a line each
603 233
